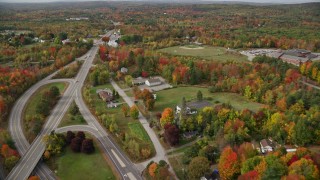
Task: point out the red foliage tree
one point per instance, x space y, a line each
171 134
76 144
69 137
87 146
251 175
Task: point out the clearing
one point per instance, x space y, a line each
83 166
172 97
205 52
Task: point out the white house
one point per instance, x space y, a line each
124 70
153 82
188 109
266 145
66 41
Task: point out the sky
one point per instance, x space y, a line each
257 1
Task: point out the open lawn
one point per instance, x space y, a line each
205 52
236 101
172 97
68 119
138 131
179 168
80 166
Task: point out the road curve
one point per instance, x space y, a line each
30 155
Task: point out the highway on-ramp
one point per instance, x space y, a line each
31 154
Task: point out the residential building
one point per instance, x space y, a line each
124 70
266 145
153 82
106 96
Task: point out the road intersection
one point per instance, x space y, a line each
31 154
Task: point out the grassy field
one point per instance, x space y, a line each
81 166
172 97
138 131
179 168
69 119
207 53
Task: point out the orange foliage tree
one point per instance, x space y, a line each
166 117
229 166
152 169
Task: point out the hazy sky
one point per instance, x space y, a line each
258 1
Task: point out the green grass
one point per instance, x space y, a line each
172 97
138 131
207 53
69 119
236 101
79 166
178 166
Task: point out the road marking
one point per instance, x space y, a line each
131 176
118 159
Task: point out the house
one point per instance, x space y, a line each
154 96
106 96
192 106
153 82
138 81
66 41
188 110
124 70
266 145
290 148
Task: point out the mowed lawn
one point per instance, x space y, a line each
36 97
207 53
172 97
79 166
138 131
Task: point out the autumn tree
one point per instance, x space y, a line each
246 151
198 167
152 169
134 112
87 146
229 166
125 110
171 133
275 168
76 144
166 117
304 167
10 162
70 135
105 39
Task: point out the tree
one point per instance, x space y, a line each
10 162
105 39
150 103
34 178
152 169
275 168
69 137
246 151
5 150
125 110
171 134
183 107
229 166
301 133
128 80
134 112
55 92
46 155
166 117
198 167
54 143
87 146
74 110
76 144
304 167
199 96
81 135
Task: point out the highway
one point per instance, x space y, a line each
31 154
